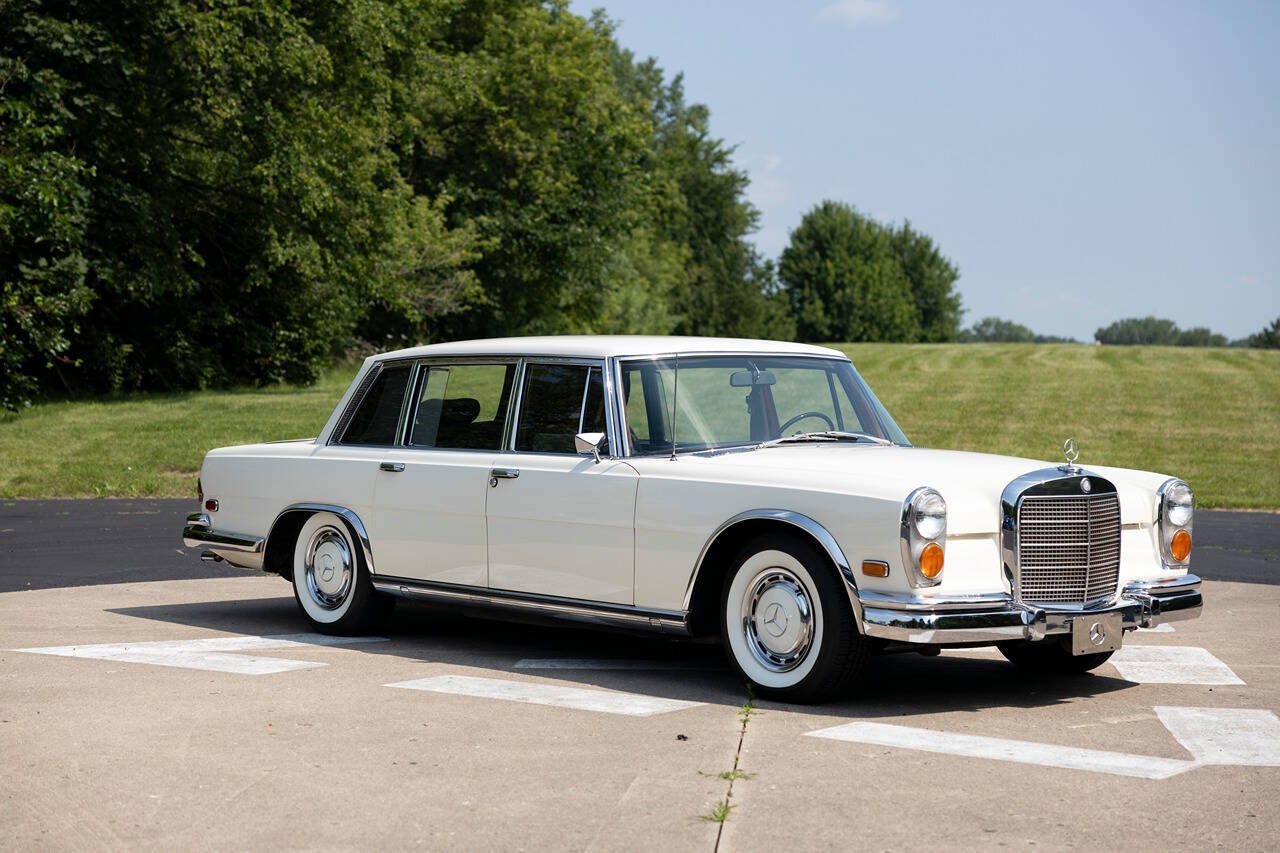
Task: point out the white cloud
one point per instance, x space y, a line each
856 12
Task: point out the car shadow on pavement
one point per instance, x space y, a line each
893 685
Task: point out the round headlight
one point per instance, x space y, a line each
929 514
1178 504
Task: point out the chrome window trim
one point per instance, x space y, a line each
618 411
625 450
1011 503
367 383
581 361
422 367
362 390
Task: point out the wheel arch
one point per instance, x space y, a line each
278 553
702 596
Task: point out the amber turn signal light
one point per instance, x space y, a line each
931 560
1180 545
875 568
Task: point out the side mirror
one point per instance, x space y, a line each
590 444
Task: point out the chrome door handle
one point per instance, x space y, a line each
504 473
393 467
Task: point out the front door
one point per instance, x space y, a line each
559 523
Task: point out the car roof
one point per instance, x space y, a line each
602 346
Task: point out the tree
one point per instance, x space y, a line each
1268 338
845 280
698 211
1157 332
43 294
933 279
996 330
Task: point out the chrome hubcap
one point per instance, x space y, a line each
777 619
329 568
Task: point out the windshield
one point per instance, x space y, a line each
737 401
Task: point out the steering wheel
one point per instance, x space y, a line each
782 430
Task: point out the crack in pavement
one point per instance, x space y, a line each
748 709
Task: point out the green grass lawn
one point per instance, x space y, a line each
1211 416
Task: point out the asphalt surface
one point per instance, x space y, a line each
62 543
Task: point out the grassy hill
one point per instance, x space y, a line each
1211 416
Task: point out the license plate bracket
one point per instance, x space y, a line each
1092 633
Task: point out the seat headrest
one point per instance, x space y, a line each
462 410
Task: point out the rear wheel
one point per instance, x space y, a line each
786 621
1050 657
331 581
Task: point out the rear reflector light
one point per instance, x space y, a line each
211 505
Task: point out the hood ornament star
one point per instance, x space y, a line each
1071 451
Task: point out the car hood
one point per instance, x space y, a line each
971 483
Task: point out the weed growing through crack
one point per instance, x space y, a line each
719 812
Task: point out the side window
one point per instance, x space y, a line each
559 401
374 423
463 406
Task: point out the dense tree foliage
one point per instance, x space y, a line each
850 278
195 194
1155 331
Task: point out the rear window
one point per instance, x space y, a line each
375 421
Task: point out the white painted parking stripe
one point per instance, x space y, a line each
606 663
1002 749
213 653
1226 735
632 704
1165 628
1172 665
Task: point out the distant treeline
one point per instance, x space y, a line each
1146 331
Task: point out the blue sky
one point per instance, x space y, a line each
1079 162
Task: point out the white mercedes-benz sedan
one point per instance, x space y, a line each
751 489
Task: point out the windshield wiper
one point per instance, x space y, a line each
824 435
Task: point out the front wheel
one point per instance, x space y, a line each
331 581
1050 657
786 621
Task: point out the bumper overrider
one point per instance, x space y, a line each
236 549
936 620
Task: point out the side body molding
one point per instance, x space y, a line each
820 534
354 525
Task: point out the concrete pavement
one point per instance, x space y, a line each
153 746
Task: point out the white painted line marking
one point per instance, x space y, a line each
632 704
1166 628
605 663
1172 665
211 654
1226 735
1001 749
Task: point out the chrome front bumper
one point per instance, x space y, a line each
236 549
997 618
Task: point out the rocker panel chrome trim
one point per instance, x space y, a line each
592 612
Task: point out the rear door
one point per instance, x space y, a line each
560 523
431 490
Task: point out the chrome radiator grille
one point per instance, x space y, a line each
1068 548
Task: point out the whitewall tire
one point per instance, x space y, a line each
331 581
786 621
